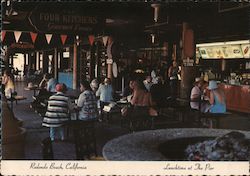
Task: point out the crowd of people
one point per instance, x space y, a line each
145 95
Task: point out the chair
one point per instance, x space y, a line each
47 149
85 139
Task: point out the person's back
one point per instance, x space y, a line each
105 92
88 103
216 99
219 105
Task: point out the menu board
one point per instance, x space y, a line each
245 50
222 52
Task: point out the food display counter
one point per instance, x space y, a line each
237 97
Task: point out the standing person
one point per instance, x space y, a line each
87 102
173 78
57 112
8 83
216 98
105 92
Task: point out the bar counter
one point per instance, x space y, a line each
237 97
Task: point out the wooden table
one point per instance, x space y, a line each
15 98
34 88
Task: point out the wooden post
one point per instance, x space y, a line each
110 71
75 66
55 64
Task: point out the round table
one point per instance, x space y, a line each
143 146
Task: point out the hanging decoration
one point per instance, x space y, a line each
17 35
91 39
33 36
3 35
63 38
48 37
105 40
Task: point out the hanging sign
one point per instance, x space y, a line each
48 37
33 36
61 19
105 40
63 38
91 39
3 35
17 35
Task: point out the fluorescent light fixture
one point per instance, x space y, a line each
210 44
224 43
238 42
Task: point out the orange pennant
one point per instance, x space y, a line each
91 39
33 36
63 38
3 35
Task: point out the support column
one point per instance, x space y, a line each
75 66
55 64
188 72
37 60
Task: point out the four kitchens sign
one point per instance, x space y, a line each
64 21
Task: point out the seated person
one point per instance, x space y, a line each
87 102
196 94
51 86
159 92
44 81
216 99
141 100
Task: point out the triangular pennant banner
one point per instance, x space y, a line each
105 40
33 36
3 35
63 38
17 35
91 39
48 37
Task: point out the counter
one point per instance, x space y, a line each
237 97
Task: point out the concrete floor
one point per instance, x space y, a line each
104 131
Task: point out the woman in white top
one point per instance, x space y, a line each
8 82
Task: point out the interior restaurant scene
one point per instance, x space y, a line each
125 81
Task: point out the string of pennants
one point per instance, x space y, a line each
63 37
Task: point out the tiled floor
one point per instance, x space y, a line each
104 131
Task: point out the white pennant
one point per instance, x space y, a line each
48 37
105 40
17 35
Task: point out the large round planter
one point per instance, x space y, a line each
144 146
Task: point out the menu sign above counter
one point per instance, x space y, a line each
246 50
227 50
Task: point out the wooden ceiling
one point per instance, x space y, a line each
128 21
